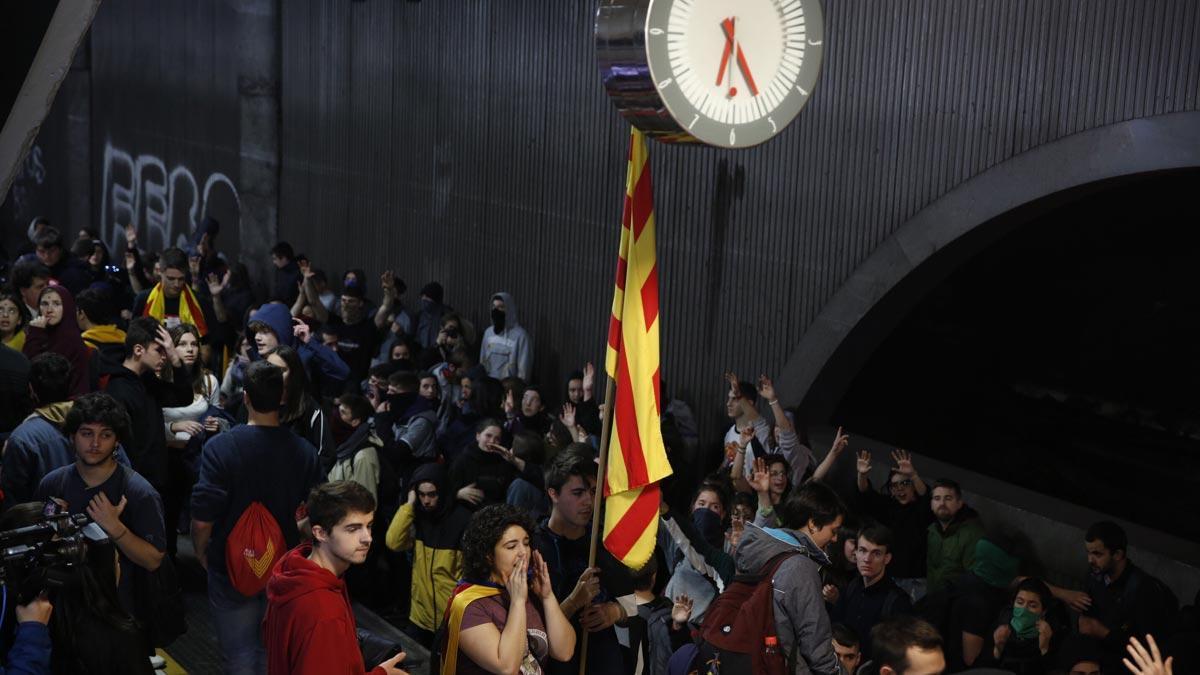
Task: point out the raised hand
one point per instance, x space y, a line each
540 584
568 416
1147 662
864 462
766 389
760 480
903 462
217 286
130 260
301 330
681 611
130 236
1045 632
504 452
589 378
194 266
509 404
168 345
736 528
732 378
388 281
1000 639
1077 600
305 267
840 442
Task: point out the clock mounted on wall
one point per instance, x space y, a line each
727 73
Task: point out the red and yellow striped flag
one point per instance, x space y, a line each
637 459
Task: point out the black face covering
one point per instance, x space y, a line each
498 320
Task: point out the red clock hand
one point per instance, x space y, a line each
741 59
727 27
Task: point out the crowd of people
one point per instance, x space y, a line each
323 444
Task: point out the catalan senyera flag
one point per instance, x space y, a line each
637 459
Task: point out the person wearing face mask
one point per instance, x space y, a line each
811 517
57 330
429 315
702 568
507 349
1022 641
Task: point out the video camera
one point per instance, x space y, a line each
43 555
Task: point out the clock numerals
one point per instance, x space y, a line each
665 83
732 136
657 31
694 120
774 127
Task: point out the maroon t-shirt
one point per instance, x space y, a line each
495 611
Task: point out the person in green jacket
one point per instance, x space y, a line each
431 524
951 549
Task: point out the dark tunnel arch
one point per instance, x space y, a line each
916 358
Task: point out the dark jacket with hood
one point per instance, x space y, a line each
309 626
435 538
951 551
144 397
313 354
801 622
507 350
107 346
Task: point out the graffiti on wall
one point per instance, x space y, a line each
164 206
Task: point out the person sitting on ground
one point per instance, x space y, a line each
430 524
906 511
358 455
56 330
848 647
907 645
1126 600
506 619
1022 641
950 546
873 596
811 517
309 626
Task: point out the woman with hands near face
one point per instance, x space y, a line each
506 618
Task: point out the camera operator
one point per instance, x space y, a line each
30 651
90 632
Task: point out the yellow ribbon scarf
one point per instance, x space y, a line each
189 308
464 595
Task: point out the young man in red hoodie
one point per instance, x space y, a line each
309 625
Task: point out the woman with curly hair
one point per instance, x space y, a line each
493 624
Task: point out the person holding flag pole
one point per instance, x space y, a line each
633 458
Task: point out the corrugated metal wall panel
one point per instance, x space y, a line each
165 104
471 142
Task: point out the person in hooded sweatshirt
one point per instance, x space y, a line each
38 444
272 325
57 330
811 517
430 524
309 626
507 349
358 455
97 315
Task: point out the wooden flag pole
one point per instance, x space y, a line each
610 390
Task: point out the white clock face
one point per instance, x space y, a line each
734 73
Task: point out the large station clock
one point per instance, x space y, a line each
729 73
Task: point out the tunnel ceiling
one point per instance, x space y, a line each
1065 358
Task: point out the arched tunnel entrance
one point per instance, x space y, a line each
1063 357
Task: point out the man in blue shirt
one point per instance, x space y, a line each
256 462
116 497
